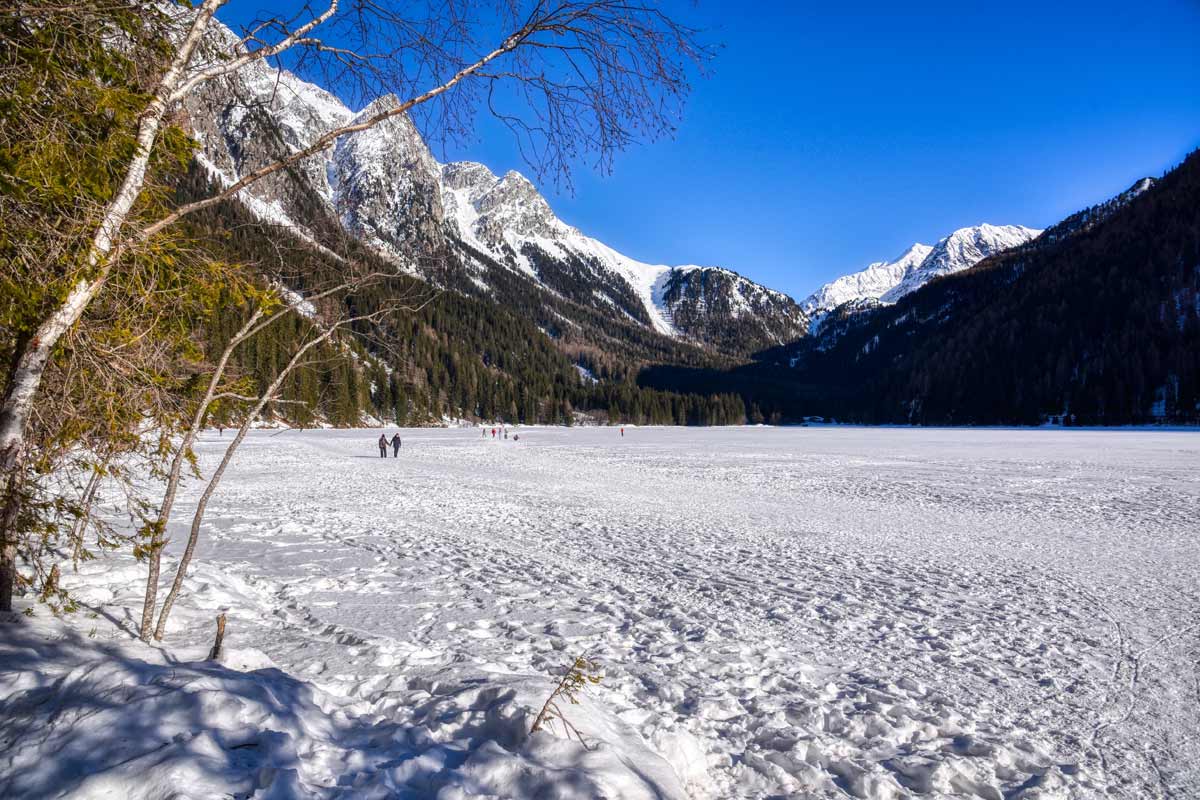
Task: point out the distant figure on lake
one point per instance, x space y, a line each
396 445
516 437
382 445
622 433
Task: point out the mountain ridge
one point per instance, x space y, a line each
386 188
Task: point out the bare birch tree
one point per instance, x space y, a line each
324 331
264 312
568 77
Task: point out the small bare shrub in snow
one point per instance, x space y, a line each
583 671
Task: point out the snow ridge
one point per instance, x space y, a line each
387 189
961 250
872 282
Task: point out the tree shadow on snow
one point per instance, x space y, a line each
108 718
79 716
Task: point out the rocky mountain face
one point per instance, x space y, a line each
888 281
457 224
1097 321
248 120
720 306
386 185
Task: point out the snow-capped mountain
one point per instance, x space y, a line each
386 189
510 221
887 281
871 283
961 250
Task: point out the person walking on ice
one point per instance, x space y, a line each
383 445
396 443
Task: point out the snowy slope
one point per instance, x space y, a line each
247 120
504 217
915 613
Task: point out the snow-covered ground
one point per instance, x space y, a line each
780 612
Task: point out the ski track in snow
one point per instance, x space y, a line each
780 612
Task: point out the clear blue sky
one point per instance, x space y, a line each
831 137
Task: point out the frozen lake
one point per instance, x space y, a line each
816 607
833 611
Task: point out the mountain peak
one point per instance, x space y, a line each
386 183
468 175
514 177
962 249
867 284
381 104
888 281
514 202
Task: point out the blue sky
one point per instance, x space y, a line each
831 137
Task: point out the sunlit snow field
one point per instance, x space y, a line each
779 612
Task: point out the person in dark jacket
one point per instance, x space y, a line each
396 445
382 445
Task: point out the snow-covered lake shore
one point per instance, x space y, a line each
779 612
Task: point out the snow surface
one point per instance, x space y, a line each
822 612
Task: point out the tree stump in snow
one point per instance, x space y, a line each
215 653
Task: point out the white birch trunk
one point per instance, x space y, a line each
168 501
